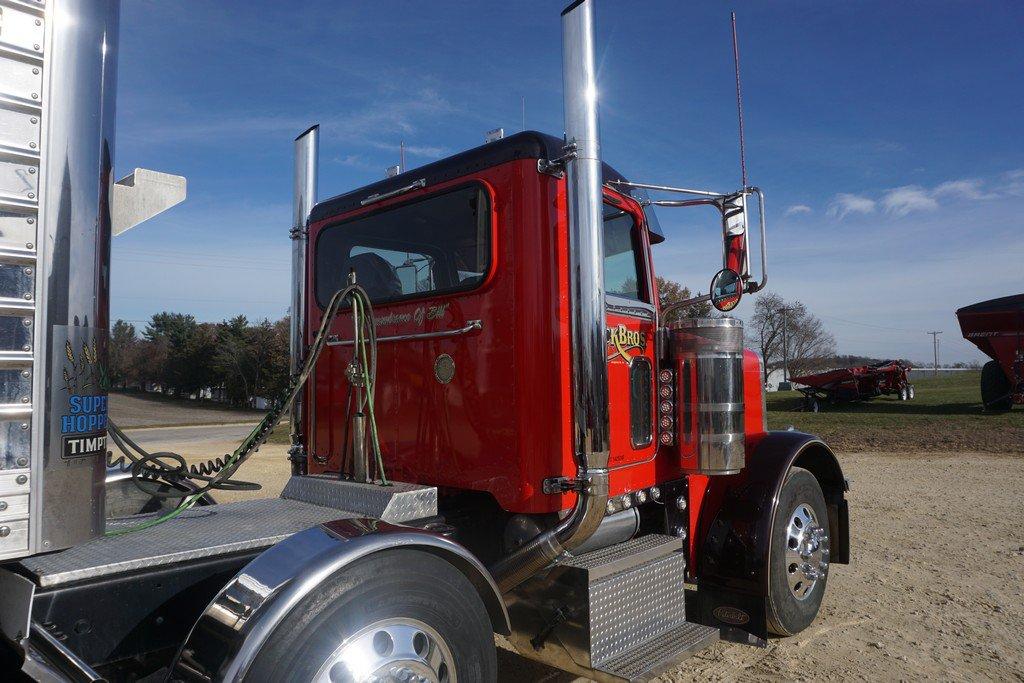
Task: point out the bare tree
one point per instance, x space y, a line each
670 292
781 329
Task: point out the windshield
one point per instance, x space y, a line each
623 254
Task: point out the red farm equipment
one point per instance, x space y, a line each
493 429
859 383
996 327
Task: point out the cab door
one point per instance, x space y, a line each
631 328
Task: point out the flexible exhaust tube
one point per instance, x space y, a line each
586 282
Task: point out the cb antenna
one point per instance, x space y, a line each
739 102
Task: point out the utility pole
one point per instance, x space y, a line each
785 342
935 348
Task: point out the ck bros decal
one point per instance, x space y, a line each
623 340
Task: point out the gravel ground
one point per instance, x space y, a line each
935 591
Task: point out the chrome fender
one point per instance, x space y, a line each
233 628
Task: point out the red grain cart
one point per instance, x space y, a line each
997 328
855 384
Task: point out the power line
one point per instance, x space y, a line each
872 325
220 266
167 253
205 301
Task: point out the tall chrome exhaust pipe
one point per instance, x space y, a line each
586 236
586 282
303 199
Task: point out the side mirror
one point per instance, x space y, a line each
726 289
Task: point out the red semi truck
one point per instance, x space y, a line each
492 432
996 327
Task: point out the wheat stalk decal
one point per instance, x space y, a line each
87 367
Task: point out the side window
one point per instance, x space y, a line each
623 256
438 244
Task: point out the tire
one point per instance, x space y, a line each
904 394
910 392
995 388
403 588
793 597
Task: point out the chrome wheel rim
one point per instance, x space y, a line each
807 551
400 650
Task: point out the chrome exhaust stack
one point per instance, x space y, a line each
586 273
303 199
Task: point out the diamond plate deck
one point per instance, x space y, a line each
658 654
624 556
200 532
397 503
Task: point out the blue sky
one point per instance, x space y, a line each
886 136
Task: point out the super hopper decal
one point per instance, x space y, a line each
83 418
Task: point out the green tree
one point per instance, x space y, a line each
181 351
671 292
252 360
123 343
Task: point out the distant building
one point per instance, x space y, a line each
925 373
774 377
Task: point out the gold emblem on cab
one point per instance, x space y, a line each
624 340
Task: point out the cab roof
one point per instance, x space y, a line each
528 144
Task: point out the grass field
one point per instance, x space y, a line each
945 415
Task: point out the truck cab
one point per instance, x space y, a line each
468 275
467 263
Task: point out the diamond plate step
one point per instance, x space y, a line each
658 654
623 556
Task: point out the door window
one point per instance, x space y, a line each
623 255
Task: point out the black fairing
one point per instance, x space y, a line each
732 573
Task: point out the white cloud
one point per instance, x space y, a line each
966 188
1014 183
797 209
903 200
386 116
845 203
427 151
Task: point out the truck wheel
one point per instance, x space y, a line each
995 388
910 392
904 394
403 615
798 561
